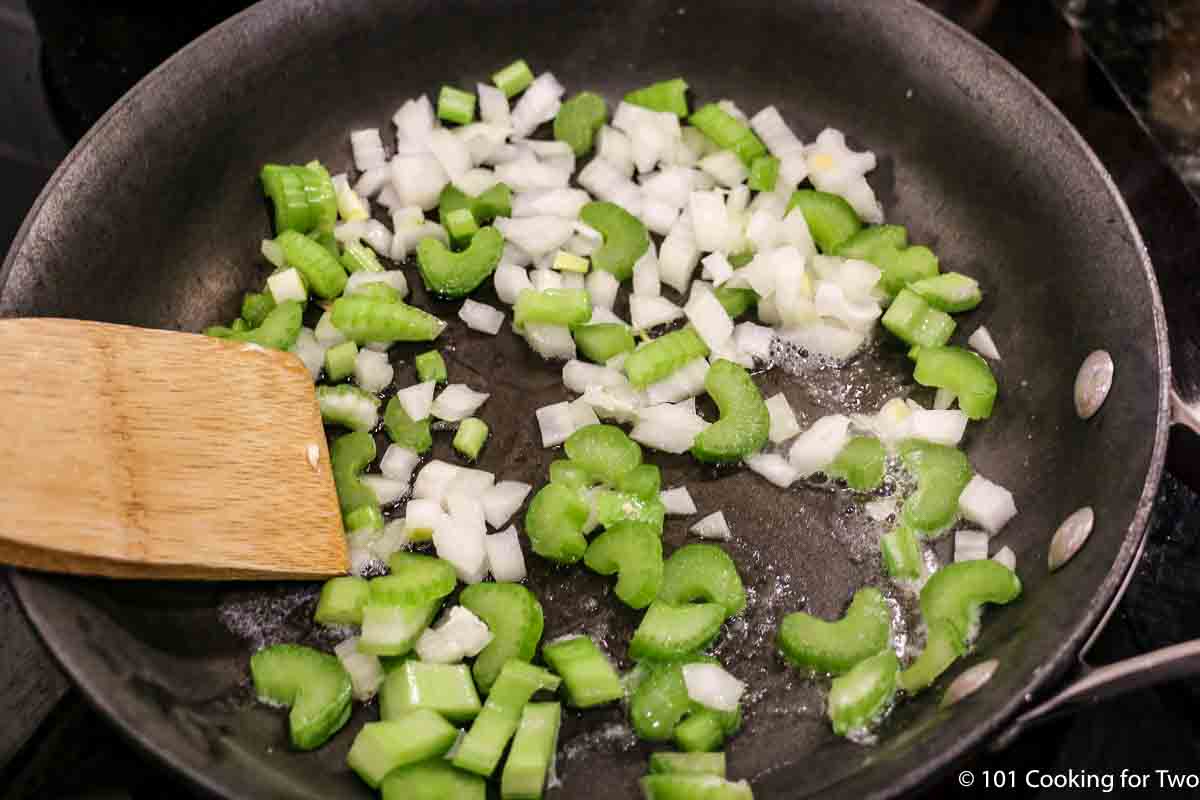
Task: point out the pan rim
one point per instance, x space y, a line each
1107 594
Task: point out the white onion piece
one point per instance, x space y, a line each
393 539
818 446
515 256
310 351
457 402
775 133
493 105
981 342
367 148
392 277
709 318
365 670
582 414
470 482
287 285
399 462
835 168
461 543
712 687
405 241
600 314
783 420
1006 557
572 280
555 423
475 181
725 167
350 205
505 559
579 376
510 281
418 180
543 279
537 236
943 399
326 332
608 183
387 197
658 216
987 504
422 515
450 151
830 301
793 168
434 479
528 174
667 427
614 147
551 342
824 338
713 526
731 108
273 253
467 631
379 238
774 467
537 105
678 501
730 352
710 222
970 545
940 427
414 121
793 230
671 186
563 203
678 256
417 400
717 268
754 339
372 372
650 311
501 501
481 317
880 510
373 180
617 403
602 288
387 491
682 384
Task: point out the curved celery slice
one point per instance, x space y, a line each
554 523
321 196
365 319
458 274
613 507
660 357
322 271
633 550
956 593
358 257
342 600
644 480
567 473
951 292
702 572
431 367
600 341
668 631
962 372
415 578
668 95
313 684
916 322
587 674
514 616
705 730
605 451
728 132
943 646
862 694
835 647
284 186
942 473
481 748
348 406
495 202
763 174
578 119
744 423
401 429
901 553
860 463
830 218
886 246
625 238
349 455
552 307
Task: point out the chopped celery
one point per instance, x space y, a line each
728 133
532 753
901 553
886 246
860 463
950 292
256 306
701 732
339 361
495 202
401 429
378 290
435 779
668 631
445 688
942 473
668 96
861 695
662 356
612 507
688 764
578 120
693 787
569 262
645 481
357 257
633 550
744 424
348 406
605 452
431 367
460 226
364 517
600 341
278 331
364 319
342 600
480 750
956 593
552 307
835 647
701 571
455 105
554 523
916 322
321 196
454 275
959 371
513 79
415 578
468 440
313 684
567 473
514 616
392 630
659 701
349 455
735 301
588 675
625 238
764 171
322 272
382 747
830 218
284 186
943 646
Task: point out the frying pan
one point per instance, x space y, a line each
154 219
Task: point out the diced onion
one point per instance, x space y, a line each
754 339
418 180
450 151
970 545
678 501
543 278
712 687
537 105
658 216
481 317
618 403
981 342
537 236
287 285
365 670
614 147
774 467
1006 557
373 180
602 288
457 402
940 427
458 538
457 635
367 148
649 311
505 558
818 446
387 491
725 167
433 480
510 281
310 351
682 384
717 268
678 256
501 501
372 371
561 203
493 105
666 427
710 222
399 462
475 181
579 376
417 400
422 515
783 420
713 526
555 423
709 318
987 504
552 342
775 133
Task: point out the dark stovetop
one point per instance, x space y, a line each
1126 72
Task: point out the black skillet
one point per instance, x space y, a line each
155 217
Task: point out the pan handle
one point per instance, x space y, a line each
1094 684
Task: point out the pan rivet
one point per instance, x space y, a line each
970 682
1092 383
1070 537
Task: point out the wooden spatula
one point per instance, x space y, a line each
140 453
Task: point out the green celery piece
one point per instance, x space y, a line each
588 675
886 246
764 171
460 226
901 553
239 325
739 260
447 689
942 473
668 631
600 341
349 455
951 292
835 647
744 423
660 357
364 319
342 600
633 550
916 322
495 202
962 372
256 306
860 463
322 272
735 301
278 331
358 257
830 218
455 105
693 787
347 405
532 753
552 307
578 119
326 239
435 779
644 480
514 616
612 507
625 238
284 186
392 630
688 764
313 684
456 275
322 198
943 646
567 473
668 96
402 430
431 367
378 290
861 695
513 79
480 750
339 361
728 132
468 440
414 578
605 452
701 732
702 571
659 701
956 593
382 747
554 523
364 517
